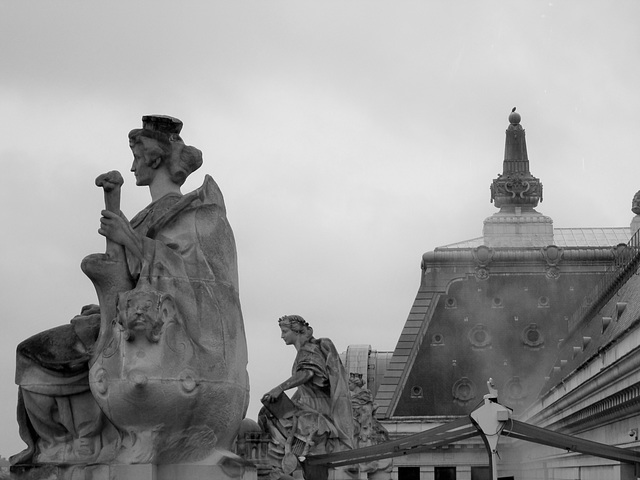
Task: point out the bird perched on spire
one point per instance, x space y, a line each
513 109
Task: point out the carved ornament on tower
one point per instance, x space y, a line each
516 187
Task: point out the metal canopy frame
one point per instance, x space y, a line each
524 431
467 427
429 439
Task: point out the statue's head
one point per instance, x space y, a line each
355 381
159 144
635 204
296 324
143 312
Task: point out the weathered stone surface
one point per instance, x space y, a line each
228 467
516 187
157 374
318 418
368 431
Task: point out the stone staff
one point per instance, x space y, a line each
108 271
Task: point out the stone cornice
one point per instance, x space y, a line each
619 405
599 384
586 259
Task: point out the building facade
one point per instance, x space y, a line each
526 305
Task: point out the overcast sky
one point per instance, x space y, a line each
348 138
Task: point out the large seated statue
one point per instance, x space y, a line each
318 418
157 373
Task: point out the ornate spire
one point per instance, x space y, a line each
516 192
516 187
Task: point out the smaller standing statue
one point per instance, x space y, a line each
368 431
318 417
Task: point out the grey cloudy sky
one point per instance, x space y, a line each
348 139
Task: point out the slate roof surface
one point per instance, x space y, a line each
563 237
623 323
570 237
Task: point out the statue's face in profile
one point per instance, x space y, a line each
288 335
143 172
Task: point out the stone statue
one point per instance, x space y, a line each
368 431
635 203
318 417
157 373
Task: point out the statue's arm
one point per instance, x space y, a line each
299 378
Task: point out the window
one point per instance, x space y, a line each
445 473
480 473
408 473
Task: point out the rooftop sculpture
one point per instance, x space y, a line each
318 417
156 374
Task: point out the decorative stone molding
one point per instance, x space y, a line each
543 302
482 256
513 391
496 302
552 255
519 188
450 303
416 392
614 407
482 274
552 273
532 337
516 185
463 391
479 337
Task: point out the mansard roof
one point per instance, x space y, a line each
595 379
489 312
497 305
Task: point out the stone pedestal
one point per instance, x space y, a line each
518 228
230 470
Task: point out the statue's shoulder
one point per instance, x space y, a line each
208 195
200 206
327 346
310 348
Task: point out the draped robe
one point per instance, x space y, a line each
188 251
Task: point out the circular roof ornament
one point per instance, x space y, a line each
514 118
532 337
479 337
514 391
463 391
